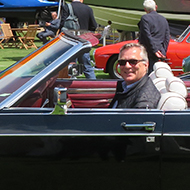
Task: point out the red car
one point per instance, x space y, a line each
179 48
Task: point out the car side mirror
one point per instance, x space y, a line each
60 98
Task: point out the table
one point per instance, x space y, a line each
26 36
19 31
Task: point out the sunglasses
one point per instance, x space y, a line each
132 62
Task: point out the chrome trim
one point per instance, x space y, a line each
182 38
188 40
149 126
79 111
80 135
150 139
91 90
15 96
188 89
110 111
130 110
176 135
24 114
182 112
27 109
177 70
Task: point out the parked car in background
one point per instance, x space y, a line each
106 57
186 64
58 133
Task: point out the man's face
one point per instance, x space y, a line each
132 73
54 15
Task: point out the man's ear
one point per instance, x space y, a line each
146 66
146 10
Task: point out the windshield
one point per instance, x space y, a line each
183 35
14 77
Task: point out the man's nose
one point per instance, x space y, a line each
127 64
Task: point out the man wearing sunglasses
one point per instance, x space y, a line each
136 90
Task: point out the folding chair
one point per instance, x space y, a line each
57 33
6 36
28 39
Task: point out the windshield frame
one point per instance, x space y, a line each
78 46
183 35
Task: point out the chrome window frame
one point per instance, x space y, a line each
49 71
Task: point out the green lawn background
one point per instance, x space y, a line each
10 55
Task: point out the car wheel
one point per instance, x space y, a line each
113 67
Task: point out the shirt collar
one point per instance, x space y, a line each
127 87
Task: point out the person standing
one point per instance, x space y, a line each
50 28
87 22
154 33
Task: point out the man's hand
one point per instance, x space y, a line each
48 24
159 54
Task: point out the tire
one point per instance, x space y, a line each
113 67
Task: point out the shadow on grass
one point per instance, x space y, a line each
12 58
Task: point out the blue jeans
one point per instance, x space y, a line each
88 69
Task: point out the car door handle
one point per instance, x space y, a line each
147 126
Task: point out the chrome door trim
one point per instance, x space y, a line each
92 134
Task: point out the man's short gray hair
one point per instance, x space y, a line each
143 53
149 5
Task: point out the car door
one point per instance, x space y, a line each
176 150
83 149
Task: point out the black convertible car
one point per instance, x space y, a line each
58 133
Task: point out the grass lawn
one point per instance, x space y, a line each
9 56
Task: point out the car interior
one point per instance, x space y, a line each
99 93
173 90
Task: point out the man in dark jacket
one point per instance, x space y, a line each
84 14
137 89
154 33
87 22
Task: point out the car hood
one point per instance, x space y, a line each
113 48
